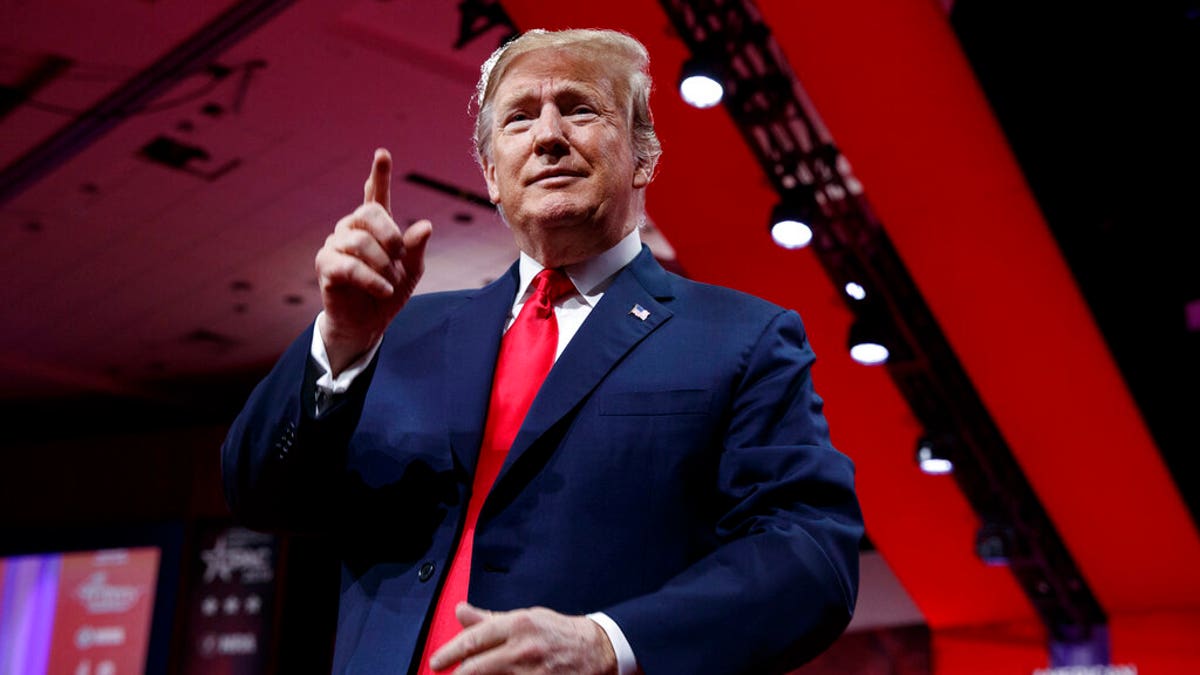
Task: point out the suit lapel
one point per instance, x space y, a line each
629 311
472 344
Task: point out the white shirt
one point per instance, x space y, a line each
591 279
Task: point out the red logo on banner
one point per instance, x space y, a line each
103 611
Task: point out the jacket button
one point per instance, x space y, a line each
426 571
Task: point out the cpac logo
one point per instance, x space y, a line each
222 561
101 597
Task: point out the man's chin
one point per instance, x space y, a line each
560 215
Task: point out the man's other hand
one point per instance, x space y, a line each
367 269
535 640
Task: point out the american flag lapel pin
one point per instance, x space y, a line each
640 312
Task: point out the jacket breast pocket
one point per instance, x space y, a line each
672 402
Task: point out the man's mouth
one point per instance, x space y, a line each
554 176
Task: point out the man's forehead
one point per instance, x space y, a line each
516 88
554 72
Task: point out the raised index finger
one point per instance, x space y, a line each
378 186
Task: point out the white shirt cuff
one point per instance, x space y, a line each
626 663
327 383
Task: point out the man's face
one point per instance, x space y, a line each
562 167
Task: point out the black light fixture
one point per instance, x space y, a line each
700 83
793 217
932 457
994 544
868 343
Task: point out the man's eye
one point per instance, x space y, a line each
582 110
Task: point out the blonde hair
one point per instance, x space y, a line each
617 51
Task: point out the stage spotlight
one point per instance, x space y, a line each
700 84
790 232
792 218
855 290
932 459
867 343
994 544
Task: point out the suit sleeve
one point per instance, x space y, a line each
282 465
781 583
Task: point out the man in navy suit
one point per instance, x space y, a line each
671 503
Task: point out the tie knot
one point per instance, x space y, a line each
550 285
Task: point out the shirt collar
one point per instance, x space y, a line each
592 276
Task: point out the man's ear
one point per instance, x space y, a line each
643 174
489 176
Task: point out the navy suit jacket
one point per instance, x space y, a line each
675 472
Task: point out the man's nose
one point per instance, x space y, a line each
549 132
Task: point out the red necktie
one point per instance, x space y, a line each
526 355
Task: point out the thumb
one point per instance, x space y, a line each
416 236
469 615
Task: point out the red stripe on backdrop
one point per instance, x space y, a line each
1161 641
893 86
997 649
